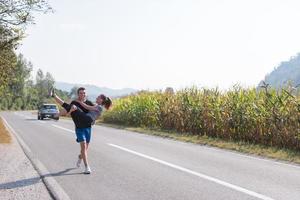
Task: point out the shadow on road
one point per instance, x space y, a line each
34 180
31 119
34 119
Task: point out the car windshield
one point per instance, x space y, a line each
49 107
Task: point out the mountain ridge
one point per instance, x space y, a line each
287 72
93 91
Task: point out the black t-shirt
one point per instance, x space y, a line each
79 123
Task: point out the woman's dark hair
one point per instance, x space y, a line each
106 101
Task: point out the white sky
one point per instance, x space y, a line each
153 44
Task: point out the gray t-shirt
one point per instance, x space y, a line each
94 114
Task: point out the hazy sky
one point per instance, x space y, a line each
152 44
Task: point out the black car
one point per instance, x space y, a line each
48 111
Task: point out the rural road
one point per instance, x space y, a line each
131 166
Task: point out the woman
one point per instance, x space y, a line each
84 116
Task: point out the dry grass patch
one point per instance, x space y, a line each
5 137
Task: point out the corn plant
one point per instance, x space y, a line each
261 116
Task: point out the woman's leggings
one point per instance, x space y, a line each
80 118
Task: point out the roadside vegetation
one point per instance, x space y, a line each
262 121
23 92
18 91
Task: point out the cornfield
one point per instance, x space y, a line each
258 116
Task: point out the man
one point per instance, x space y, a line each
82 129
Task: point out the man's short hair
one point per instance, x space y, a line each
81 88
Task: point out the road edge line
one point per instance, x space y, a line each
55 190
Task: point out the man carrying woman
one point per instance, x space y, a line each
83 113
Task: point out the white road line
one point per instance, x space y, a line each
60 127
229 185
216 149
253 157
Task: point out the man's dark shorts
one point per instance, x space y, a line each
83 134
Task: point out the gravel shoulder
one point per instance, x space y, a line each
18 178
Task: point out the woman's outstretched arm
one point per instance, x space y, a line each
58 99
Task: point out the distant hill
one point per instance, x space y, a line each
93 91
286 72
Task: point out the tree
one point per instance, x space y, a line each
73 92
14 16
43 85
20 12
9 38
17 84
23 93
8 61
40 86
169 90
30 100
49 81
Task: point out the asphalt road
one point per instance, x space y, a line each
127 165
